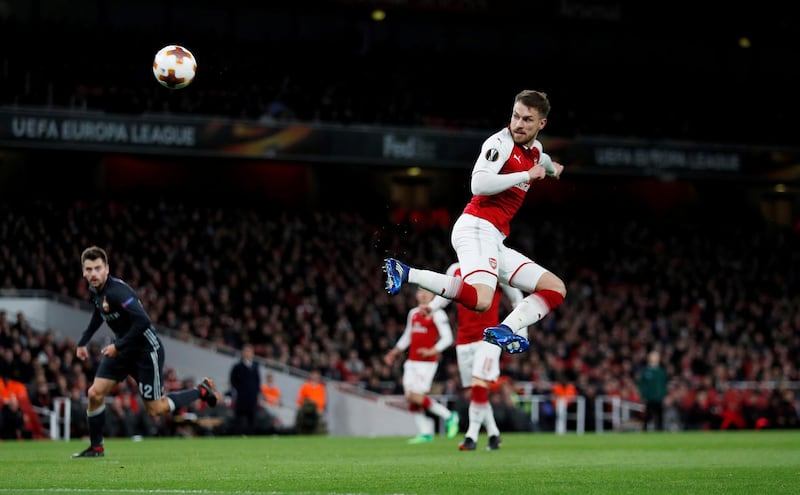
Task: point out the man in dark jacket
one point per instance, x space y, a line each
653 389
246 385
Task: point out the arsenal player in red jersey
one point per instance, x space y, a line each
478 361
510 162
426 336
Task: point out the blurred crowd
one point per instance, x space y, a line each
719 303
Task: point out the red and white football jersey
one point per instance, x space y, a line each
501 155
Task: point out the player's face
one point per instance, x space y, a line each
525 124
248 353
95 272
424 296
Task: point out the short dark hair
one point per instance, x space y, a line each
534 99
94 253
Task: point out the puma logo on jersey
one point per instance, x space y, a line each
517 158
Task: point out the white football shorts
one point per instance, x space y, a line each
418 375
479 359
484 259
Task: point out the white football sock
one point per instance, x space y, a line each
438 283
424 423
477 413
529 311
439 410
490 424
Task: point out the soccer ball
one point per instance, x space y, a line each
174 67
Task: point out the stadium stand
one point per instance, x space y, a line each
232 275
698 271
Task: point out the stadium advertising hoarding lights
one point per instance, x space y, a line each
655 157
97 131
155 134
192 136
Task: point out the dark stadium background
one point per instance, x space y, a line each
708 72
677 71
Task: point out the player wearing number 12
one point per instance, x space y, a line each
136 351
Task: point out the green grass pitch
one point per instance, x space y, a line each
765 462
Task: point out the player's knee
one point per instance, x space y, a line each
479 382
96 395
482 306
155 407
485 297
561 288
484 302
550 281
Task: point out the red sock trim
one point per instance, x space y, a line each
552 298
426 403
413 407
468 296
480 395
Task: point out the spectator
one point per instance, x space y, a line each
563 389
505 401
653 389
16 402
13 420
311 401
79 428
354 366
313 390
781 413
120 421
245 381
271 392
42 397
